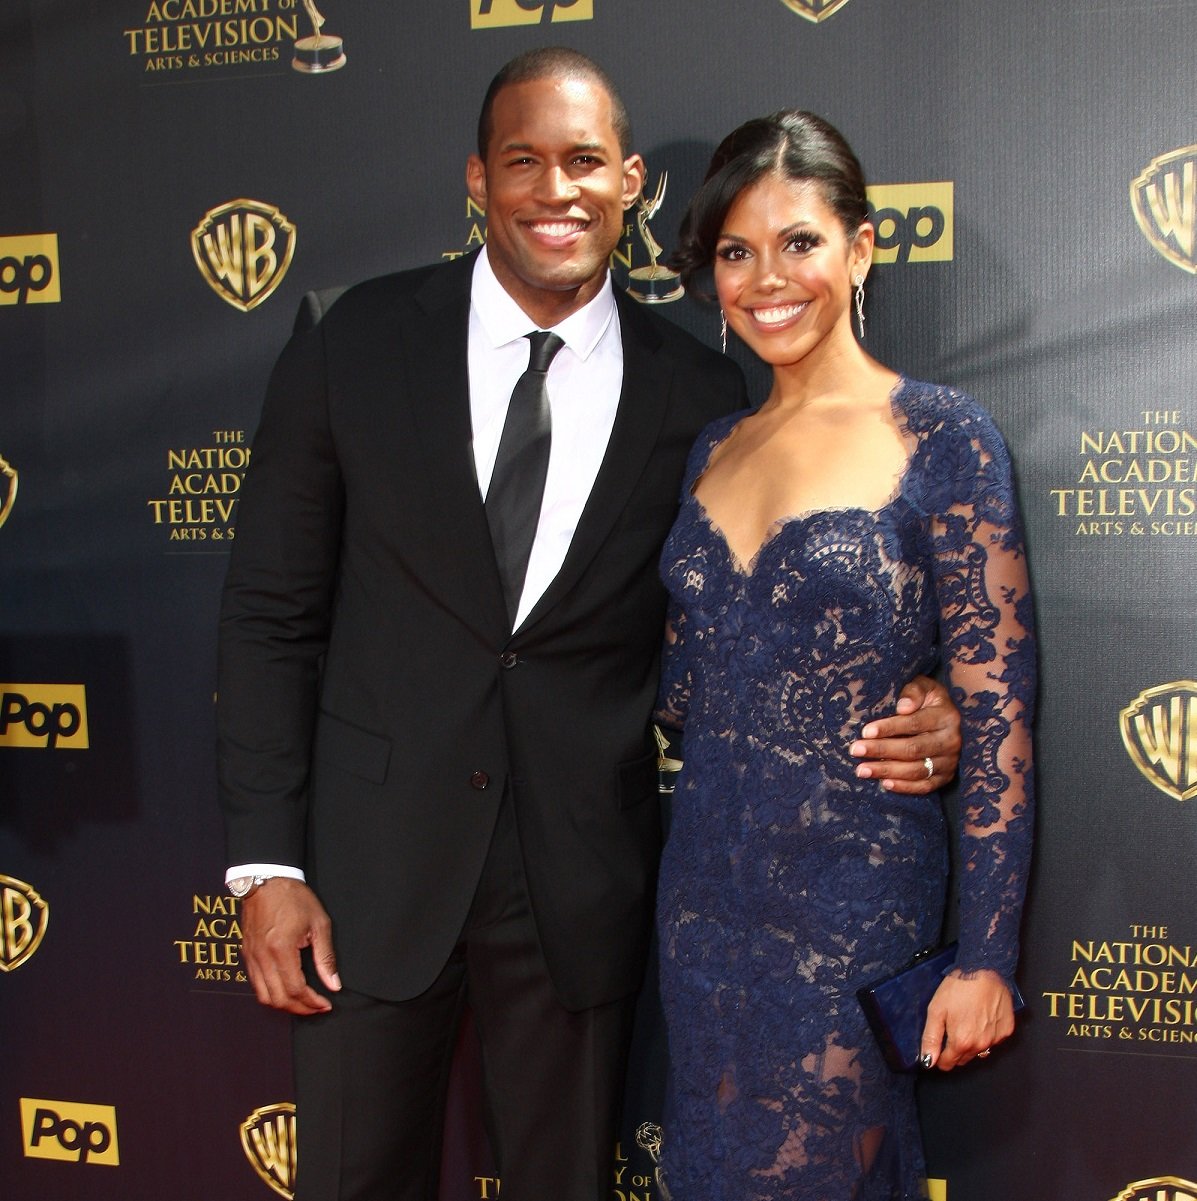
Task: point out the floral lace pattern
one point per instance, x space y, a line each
787 882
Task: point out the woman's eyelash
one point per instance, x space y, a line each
802 242
806 241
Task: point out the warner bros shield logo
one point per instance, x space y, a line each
268 1137
1159 730
243 249
1159 1188
815 10
8 489
24 916
1164 199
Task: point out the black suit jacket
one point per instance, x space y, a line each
373 704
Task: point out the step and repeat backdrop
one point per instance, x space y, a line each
177 173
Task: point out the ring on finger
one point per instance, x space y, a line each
929 764
984 1054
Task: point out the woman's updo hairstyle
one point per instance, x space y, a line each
793 143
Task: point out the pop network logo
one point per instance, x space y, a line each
243 249
915 222
70 1131
268 1139
1159 731
29 270
1159 1188
8 489
44 716
497 14
1164 199
24 916
815 10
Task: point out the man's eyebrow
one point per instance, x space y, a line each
508 147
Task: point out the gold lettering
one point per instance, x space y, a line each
18 928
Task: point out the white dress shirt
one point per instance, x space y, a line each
584 382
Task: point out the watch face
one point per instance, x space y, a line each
240 885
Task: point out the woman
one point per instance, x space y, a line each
846 535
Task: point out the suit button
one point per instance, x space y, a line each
509 659
480 780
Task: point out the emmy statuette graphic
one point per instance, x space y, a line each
654 284
322 51
649 1138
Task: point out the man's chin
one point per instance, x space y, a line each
567 277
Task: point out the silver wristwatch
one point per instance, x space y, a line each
242 886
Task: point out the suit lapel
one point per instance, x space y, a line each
643 400
434 334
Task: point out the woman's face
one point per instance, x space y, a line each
784 267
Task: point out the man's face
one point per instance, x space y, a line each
555 186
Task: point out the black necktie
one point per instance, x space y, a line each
517 483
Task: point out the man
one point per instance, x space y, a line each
433 756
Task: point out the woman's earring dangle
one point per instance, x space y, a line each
723 330
858 280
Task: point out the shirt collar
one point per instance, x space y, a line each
503 321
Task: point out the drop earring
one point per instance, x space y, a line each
858 280
723 330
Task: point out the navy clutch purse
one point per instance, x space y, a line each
896 1006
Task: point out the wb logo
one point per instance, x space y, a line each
914 222
65 1130
44 716
29 270
1159 1188
8 489
1159 731
815 10
498 14
24 916
243 250
268 1140
1164 199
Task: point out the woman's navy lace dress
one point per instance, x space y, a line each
787 882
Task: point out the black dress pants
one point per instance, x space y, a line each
371 1076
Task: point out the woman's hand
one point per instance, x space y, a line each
966 1017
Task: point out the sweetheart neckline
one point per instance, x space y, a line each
778 524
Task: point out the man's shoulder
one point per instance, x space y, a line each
683 347
380 293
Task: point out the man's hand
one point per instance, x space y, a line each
927 726
278 919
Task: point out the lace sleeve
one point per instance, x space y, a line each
674 695
987 642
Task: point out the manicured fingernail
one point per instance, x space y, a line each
925 1060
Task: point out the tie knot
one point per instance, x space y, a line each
544 346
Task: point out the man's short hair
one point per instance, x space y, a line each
553 62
